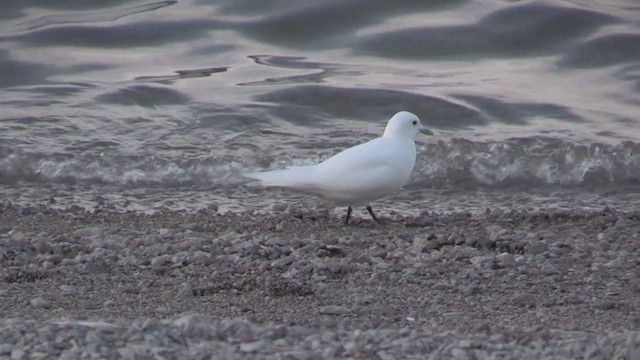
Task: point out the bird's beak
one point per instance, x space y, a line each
426 131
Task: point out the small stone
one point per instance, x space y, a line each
127 353
68 289
195 227
6 348
537 248
506 260
162 310
459 354
421 244
164 232
378 253
42 246
334 310
384 355
185 290
283 262
17 235
364 300
495 233
191 324
202 258
88 231
40 303
252 346
361 257
95 264
525 300
615 263
330 251
298 355
68 262
565 262
338 267
520 260
471 290
162 260
18 354
482 262
55 259
486 242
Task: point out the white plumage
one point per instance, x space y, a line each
360 174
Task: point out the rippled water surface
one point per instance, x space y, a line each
151 104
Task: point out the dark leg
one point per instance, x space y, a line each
370 210
346 221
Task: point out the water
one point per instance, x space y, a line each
138 105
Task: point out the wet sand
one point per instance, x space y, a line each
299 284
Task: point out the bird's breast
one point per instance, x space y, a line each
363 174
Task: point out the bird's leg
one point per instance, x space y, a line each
346 220
370 210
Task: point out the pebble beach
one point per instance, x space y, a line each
298 284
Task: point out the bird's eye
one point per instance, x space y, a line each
415 122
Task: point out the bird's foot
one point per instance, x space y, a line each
373 215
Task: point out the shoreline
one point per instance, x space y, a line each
454 277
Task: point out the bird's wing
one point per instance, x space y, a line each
375 153
380 165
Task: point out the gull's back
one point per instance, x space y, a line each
366 172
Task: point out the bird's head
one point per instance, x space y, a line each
405 125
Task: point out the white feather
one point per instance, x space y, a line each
360 174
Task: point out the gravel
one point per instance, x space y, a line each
298 285
200 336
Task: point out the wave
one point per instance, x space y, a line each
529 161
126 171
535 161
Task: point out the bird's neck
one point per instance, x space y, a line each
395 136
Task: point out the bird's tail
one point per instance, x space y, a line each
299 177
